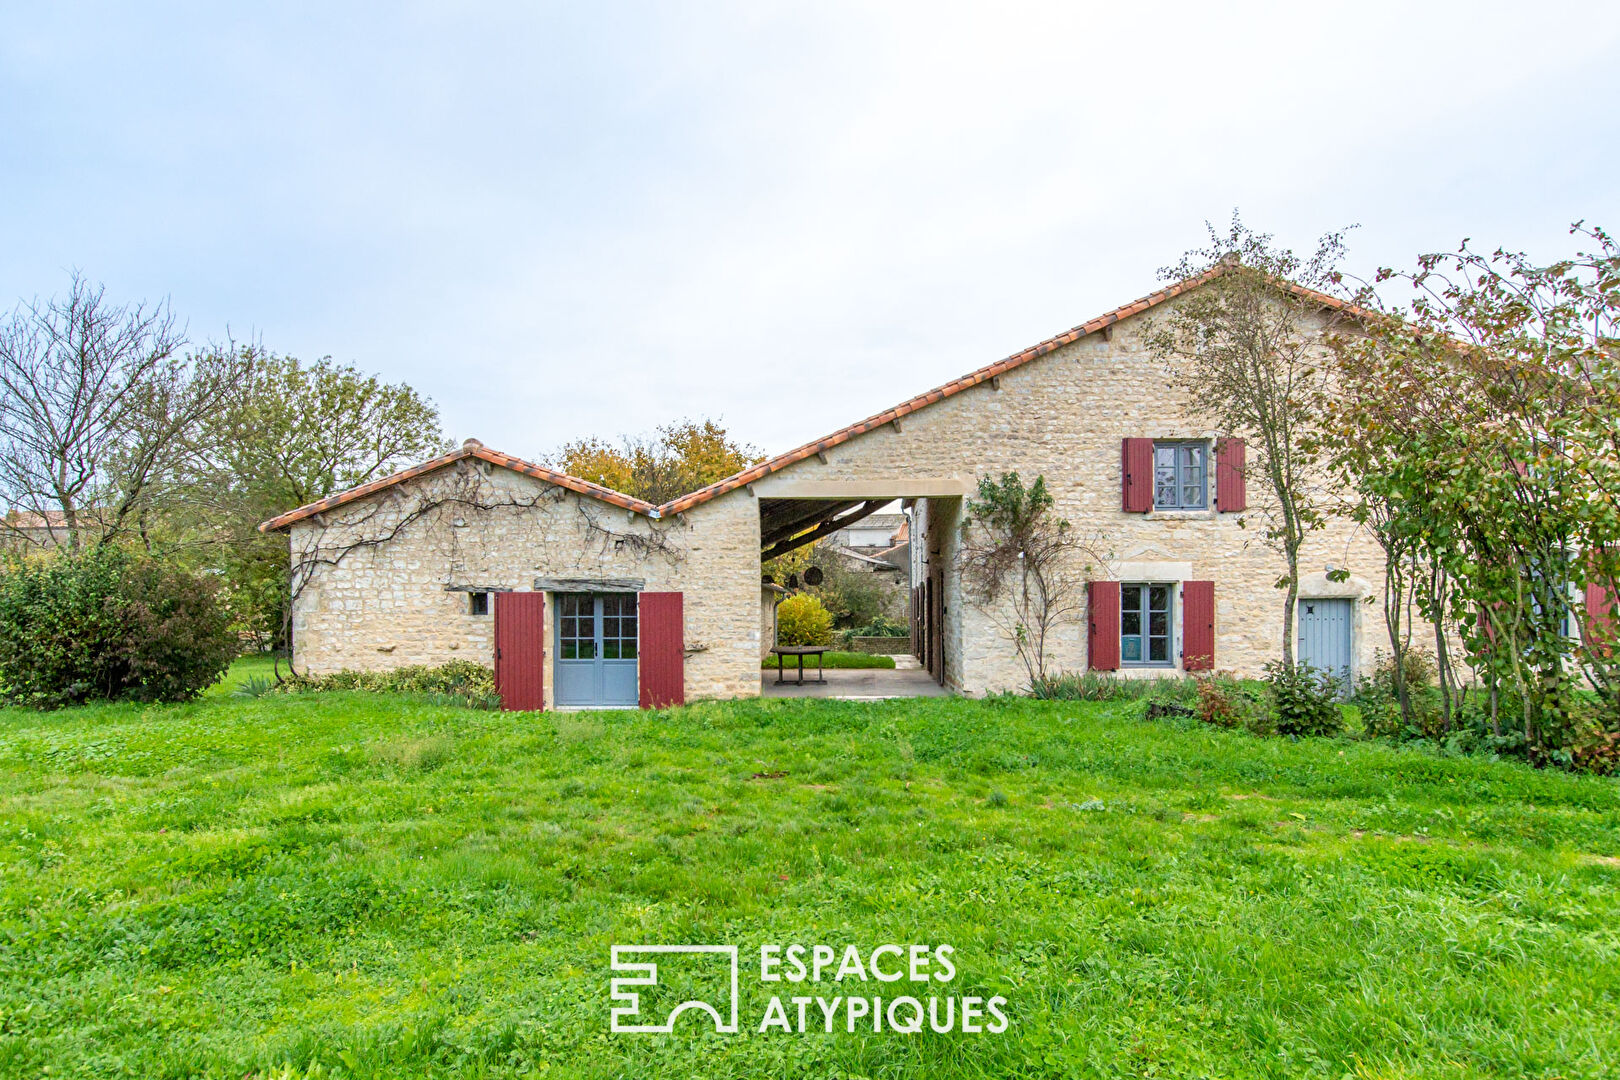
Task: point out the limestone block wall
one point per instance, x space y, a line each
1063 416
469 527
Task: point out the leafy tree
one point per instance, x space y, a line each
1482 415
855 597
680 458
1247 352
292 433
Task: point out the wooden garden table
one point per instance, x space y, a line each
801 651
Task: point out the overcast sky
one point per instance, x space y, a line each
558 220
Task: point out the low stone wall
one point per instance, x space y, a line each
881 646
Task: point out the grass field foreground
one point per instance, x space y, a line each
369 886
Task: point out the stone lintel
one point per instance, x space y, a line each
606 584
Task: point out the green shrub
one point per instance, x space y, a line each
1417 664
108 625
1379 701
1225 702
801 619
883 626
459 681
1304 701
1067 686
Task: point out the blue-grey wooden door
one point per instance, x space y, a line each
1324 637
596 649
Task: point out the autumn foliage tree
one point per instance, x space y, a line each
679 458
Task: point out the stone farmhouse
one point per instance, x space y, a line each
581 596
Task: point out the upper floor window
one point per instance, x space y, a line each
1180 476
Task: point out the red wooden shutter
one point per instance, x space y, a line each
1198 625
1136 455
520 650
661 662
1600 629
1231 491
1102 645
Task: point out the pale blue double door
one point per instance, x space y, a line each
596 649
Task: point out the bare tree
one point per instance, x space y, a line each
1246 348
1024 566
98 408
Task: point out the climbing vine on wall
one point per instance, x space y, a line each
464 501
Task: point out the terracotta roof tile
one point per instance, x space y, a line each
494 457
972 379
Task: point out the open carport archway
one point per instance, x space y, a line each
791 520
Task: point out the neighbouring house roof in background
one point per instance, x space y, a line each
30 519
21 520
875 563
974 378
472 448
880 521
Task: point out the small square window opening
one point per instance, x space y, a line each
478 603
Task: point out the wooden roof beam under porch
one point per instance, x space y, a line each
826 528
782 518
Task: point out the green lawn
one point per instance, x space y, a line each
345 885
243 669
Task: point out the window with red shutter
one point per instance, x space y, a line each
1102 643
1600 622
1136 459
1231 491
1198 626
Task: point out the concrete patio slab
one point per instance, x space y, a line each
862 684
